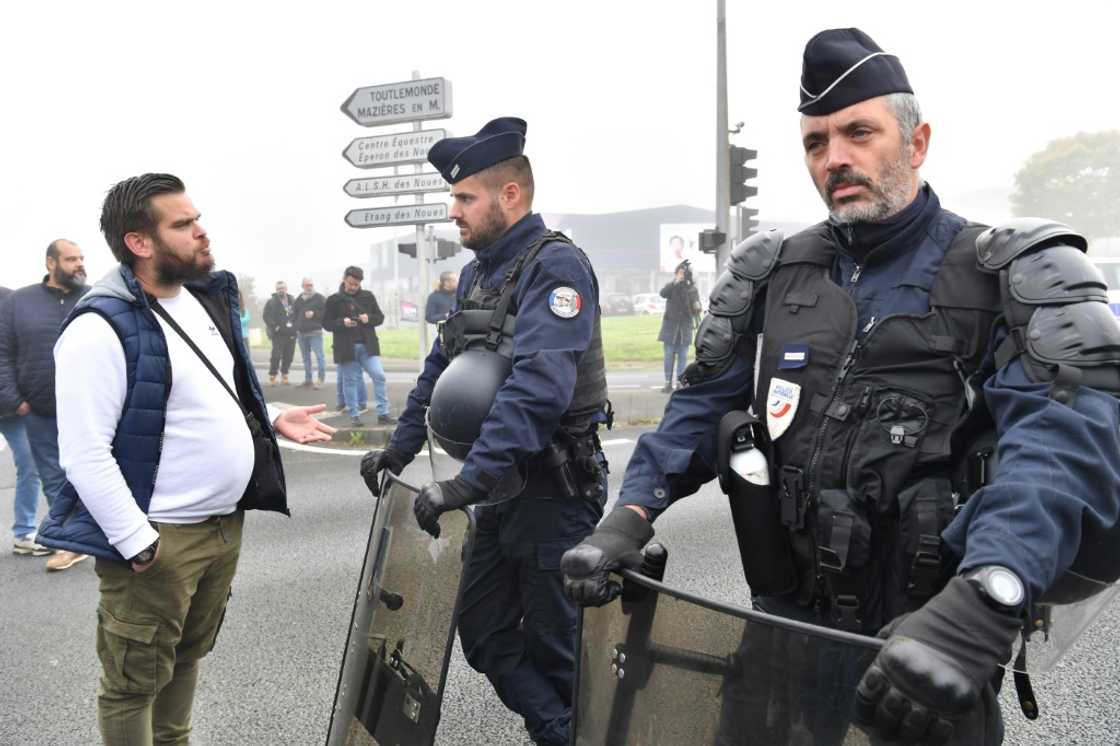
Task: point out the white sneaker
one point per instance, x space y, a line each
26 545
63 560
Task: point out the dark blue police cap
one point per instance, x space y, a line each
456 158
843 67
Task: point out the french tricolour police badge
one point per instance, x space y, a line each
565 302
781 405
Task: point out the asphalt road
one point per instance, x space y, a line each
271 678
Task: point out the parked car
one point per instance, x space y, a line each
1110 267
649 304
616 304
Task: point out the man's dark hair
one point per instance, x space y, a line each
52 247
516 169
355 272
128 209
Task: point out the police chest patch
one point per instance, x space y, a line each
781 406
565 302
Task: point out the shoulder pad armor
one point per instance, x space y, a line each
731 295
1056 275
1081 334
997 246
750 262
755 256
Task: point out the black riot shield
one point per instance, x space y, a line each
401 632
660 666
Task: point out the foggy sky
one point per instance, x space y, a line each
242 101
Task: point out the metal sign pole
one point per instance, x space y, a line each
422 254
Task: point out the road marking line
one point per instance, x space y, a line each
285 443
291 445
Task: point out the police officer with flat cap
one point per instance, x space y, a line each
885 361
516 388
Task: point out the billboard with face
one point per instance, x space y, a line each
679 241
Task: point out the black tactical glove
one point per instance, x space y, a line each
436 498
616 543
374 462
934 666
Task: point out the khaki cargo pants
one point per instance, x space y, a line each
154 626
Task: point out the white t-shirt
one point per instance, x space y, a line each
207 455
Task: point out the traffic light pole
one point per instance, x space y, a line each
423 253
723 158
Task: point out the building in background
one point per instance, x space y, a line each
632 252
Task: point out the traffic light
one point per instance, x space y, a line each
444 249
741 173
748 226
711 240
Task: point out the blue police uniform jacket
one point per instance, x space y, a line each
119 299
547 349
1058 464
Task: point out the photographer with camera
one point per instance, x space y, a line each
682 314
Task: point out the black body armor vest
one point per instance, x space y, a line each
865 471
487 319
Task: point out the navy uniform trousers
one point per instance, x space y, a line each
515 623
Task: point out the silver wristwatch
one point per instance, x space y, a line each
1000 586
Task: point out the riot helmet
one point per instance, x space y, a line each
462 398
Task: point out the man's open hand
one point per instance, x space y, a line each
297 424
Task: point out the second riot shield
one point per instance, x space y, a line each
402 630
661 666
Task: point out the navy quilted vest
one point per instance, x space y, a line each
139 436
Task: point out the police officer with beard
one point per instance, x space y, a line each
519 403
882 355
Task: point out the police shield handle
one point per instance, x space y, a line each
764 544
376 462
616 544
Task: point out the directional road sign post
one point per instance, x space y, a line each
412 101
407 101
392 150
380 217
390 186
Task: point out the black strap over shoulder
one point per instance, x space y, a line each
163 314
498 318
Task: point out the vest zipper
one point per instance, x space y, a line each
845 368
811 469
855 275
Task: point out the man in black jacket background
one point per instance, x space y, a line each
309 306
280 323
352 314
29 324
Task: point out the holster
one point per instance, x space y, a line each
573 465
764 543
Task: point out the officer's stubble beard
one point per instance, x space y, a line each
888 197
493 227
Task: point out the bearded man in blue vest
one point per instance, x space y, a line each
880 358
155 436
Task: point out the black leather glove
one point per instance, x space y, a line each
436 498
935 665
616 543
374 462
